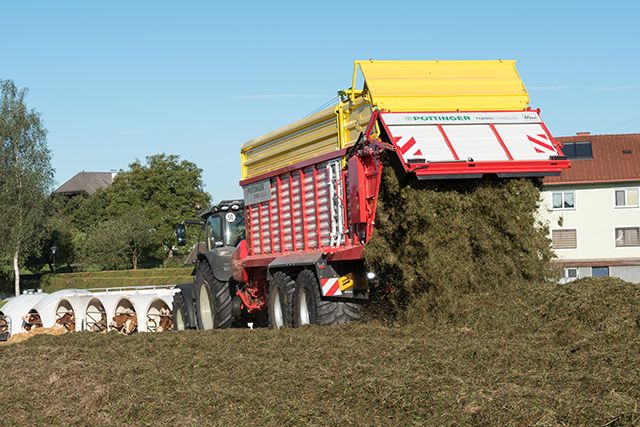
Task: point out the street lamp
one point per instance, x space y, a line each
53 250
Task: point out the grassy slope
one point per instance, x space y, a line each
481 369
109 279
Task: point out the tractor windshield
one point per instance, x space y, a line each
234 230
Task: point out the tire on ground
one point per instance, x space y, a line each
309 308
280 301
180 314
213 300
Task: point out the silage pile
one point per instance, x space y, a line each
438 240
473 254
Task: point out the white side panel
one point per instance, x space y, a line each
526 141
429 142
477 142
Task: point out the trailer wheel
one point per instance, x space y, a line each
213 300
180 320
280 301
310 309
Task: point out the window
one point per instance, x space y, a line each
571 273
214 231
563 200
577 150
627 236
234 230
564 239
599 271
626 198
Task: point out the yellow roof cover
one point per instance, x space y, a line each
444 85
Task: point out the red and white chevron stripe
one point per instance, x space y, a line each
407 145
541 144
330 287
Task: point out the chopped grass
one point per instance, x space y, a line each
557 355
437 240
485 338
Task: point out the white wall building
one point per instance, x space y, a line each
593 209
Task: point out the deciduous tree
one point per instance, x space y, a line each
26 176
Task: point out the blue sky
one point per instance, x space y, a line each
120 80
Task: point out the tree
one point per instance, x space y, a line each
143 204
118 242
26 176
166 189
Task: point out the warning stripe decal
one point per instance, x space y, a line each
541 144
330 287
406 145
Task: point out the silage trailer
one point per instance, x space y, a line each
311 187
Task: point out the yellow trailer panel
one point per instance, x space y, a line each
324 132
444 85
396 86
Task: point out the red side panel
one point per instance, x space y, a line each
291 211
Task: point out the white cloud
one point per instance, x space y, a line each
614 88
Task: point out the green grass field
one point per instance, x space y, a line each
118 278
541 356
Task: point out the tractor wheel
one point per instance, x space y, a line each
180 319
310 309
280 301
213 300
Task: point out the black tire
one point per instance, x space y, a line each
309 308
280 301
180 313
213 300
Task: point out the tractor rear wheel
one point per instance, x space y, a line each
180 320
310 309
213 300
280 301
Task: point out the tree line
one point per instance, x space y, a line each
126 225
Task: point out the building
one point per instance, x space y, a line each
592 209
86 183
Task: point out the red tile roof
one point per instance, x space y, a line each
609 163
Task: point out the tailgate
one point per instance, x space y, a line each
472 144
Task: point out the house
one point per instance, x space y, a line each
86 183
592 209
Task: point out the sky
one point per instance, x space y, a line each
120 80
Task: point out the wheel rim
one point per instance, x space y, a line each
303 308
179 319
278 318
204 308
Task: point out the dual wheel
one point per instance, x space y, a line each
299 302
291 302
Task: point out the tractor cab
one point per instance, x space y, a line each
222 226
